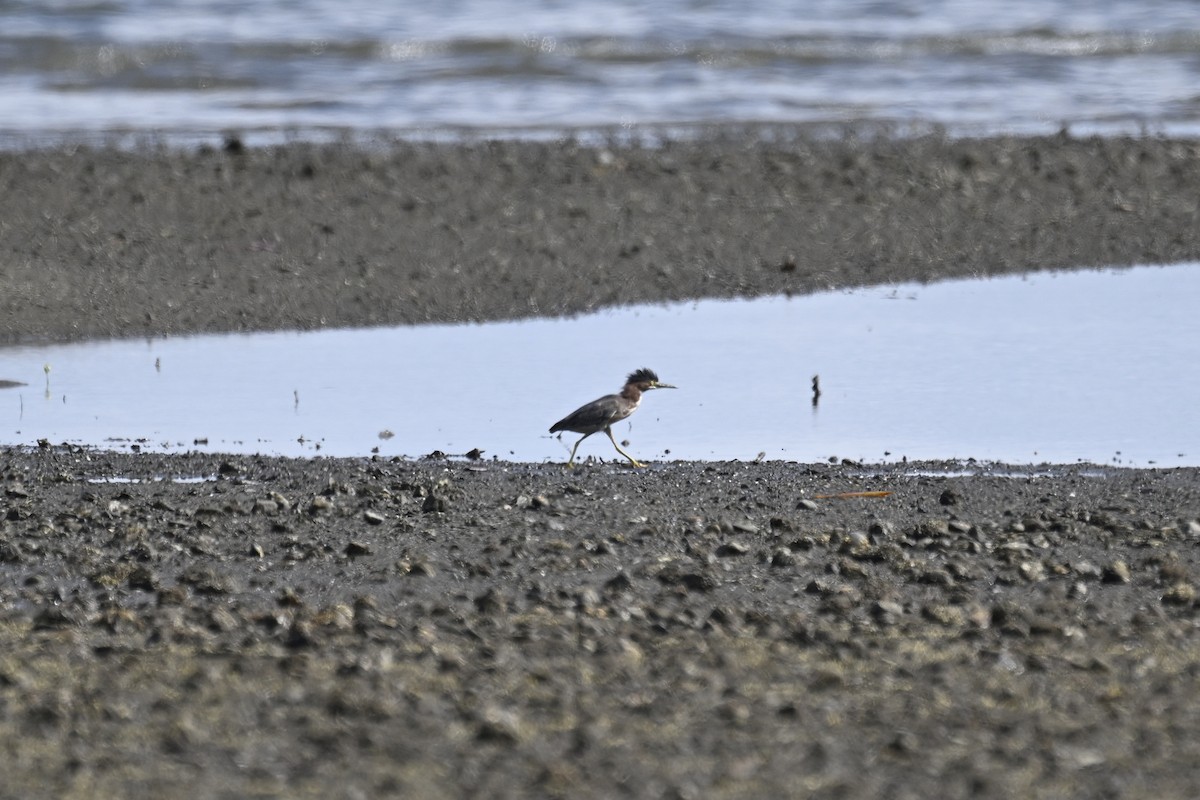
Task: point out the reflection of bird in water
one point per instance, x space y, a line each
599 415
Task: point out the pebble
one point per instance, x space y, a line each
1180 594
950 616
783 557
1032 571
732 549
355 549
1117 572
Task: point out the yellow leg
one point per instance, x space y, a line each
632 460
571 460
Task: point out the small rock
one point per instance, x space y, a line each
880 530
1180 594
783 557
355 549
732 549
499 725
143 578
1117 572
10 552
807 505
373 517
887 611
950 616
587 598
699 581
268 507
1032 571
206 580
949 498
933 528
618 583
490 602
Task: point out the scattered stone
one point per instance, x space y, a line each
950 497
1117 572
265 506
490 602
618 583
783 557
887 612
1032 571
1180 594
949 616
206 580
320 505
143 578
355 549
374 517
500 725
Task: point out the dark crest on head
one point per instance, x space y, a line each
643 375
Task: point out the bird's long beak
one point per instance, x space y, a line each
658 385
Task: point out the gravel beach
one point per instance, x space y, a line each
222 626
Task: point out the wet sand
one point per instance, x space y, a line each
105 243
240 627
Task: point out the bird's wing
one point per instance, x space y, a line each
595 416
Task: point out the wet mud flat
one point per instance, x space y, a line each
242 627
112 243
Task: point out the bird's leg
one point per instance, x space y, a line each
632 460
571 460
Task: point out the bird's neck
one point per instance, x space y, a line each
632 392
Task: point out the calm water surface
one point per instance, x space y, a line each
1056 367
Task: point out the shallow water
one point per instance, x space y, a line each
1052 367
186 70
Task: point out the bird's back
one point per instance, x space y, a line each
595 416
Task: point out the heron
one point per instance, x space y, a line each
599 415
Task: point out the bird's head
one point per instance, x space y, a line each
646 379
